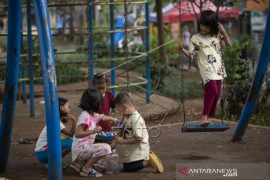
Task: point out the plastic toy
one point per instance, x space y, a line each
106 136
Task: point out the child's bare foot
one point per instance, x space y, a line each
205 121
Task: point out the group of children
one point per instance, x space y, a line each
87 152
205 46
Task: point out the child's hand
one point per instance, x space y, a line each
221 28
115 120
119 140
97 129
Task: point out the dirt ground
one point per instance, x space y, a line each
172 145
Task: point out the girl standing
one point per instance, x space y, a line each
206 47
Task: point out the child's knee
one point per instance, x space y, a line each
67 144
133 166
106 149
42 157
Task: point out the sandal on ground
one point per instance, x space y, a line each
156 162
25 141
92 173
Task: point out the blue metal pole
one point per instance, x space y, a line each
23 71
256 85
147 40
11 84
30 56
91 43
50 89
112 46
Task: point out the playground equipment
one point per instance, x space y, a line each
114 30
208 128
48 67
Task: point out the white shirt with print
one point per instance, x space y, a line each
42 143
134 127
207 50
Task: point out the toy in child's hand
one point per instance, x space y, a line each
107 136
117 124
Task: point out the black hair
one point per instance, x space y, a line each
91 100
123 98
62 102
209 18
99 79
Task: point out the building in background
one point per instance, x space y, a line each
258 15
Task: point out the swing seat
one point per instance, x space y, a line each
202 128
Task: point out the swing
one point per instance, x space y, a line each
190 127
208 128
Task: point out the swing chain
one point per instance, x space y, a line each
182 93
182 96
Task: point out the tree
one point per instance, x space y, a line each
160 27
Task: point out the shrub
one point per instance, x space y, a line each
238 71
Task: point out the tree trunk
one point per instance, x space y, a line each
81 25
71 25
161 40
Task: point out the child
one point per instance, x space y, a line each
41 149
137 154
206 47
100 83
83 147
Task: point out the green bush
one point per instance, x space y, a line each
173 87
3 42
239 76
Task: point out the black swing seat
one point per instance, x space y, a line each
202 128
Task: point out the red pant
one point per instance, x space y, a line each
211 95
